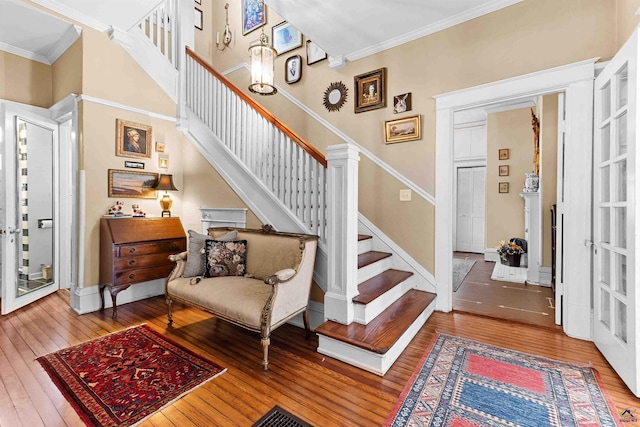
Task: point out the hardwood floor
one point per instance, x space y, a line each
318 389
503 300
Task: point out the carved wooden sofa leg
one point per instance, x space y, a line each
169 315
265 341
307 329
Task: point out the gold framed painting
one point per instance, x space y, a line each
503 187
133 139
370 90
503 170
401 130
503 154
132 184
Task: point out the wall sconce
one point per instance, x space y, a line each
262 56
226 36
165 182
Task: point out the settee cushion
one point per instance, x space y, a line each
241 299
196 262
225 258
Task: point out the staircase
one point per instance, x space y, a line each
389 312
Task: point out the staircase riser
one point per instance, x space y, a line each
365 246
373 362
364 313
366 273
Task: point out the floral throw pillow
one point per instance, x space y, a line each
225 258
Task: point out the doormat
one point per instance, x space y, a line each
278 417
460 382
461 267
123 378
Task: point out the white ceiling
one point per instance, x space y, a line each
346 29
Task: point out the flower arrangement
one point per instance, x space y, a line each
505 248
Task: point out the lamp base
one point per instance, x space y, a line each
166 213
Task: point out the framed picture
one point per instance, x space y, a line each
133 165
503 154
160 147
402 103
132 184
199 1
401 130
293 69
370 91
314 53
285 37
503 170
254 15
197 21
163 161
133 139
503 187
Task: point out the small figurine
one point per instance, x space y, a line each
137 211
116 209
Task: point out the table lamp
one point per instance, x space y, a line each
165 182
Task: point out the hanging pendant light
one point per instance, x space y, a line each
262 56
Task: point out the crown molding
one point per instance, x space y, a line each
73 14
68 38
24 53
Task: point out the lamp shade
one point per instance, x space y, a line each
262 56
165 182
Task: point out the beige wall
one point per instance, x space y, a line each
626 20
67 72
505 211
548 168
25 81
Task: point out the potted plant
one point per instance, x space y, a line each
509 253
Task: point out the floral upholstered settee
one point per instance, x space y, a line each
258 279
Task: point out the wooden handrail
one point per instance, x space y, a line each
313 152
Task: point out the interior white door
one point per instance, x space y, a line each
30 238
616 131
470 208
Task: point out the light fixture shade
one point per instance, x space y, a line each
165 182
262 56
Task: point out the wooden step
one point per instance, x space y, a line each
371 289
363 237
383 331
371 257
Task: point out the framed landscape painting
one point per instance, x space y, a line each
254 15
132 184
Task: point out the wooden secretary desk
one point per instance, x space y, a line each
136 250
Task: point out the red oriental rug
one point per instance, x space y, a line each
463 383
125 377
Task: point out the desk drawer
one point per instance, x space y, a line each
134 262
142 274
169 246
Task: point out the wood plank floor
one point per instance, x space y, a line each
320 390
479 294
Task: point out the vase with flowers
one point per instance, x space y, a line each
509 253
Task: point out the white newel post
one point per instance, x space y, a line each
342 241
185 17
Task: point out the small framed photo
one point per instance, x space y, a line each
314 53
197 22
254 15
402 103
370 92
401 130
503 170
293 69
503 187
133 165
503 154
160 147
199 1
133 139
285 37
163 161
139 185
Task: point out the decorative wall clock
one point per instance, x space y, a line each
335 96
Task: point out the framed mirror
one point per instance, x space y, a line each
335 96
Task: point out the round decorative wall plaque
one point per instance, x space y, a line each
335 96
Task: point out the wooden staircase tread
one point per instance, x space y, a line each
371 257
371 289
383 331
363 237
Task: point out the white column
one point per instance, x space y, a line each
184 18
342 240
533 235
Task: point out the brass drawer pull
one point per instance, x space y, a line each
132 262
131 276
132 250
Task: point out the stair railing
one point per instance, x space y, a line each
159 27
289 167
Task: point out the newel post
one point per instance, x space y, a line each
342 241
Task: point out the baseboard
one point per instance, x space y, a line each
87 300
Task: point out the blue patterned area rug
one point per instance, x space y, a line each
462 383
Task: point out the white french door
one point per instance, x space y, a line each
616 134
470 209
29 207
